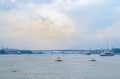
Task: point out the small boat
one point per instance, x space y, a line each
87 53
107 54
58 59
93 60
14 71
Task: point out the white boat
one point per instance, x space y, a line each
106 53
58 59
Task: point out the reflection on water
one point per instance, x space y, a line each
72 67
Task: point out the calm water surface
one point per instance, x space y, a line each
72 67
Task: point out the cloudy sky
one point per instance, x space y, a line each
60 24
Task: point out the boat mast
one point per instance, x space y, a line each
2 45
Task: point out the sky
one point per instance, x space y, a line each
60 24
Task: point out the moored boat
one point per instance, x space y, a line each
58 59
93 60
107 54
87 53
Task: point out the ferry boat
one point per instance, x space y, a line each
107 54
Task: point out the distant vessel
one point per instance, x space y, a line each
92 60
58 59
87 53
106 53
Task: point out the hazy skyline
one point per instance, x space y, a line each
60 24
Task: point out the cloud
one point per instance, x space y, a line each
67 4
39 23
70 4
13 1
60 23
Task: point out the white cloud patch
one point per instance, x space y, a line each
46 23
69 4
13 1
39 22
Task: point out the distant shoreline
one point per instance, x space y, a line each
96 51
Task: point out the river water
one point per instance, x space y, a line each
73 66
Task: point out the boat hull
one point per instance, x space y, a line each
58 60
107 55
